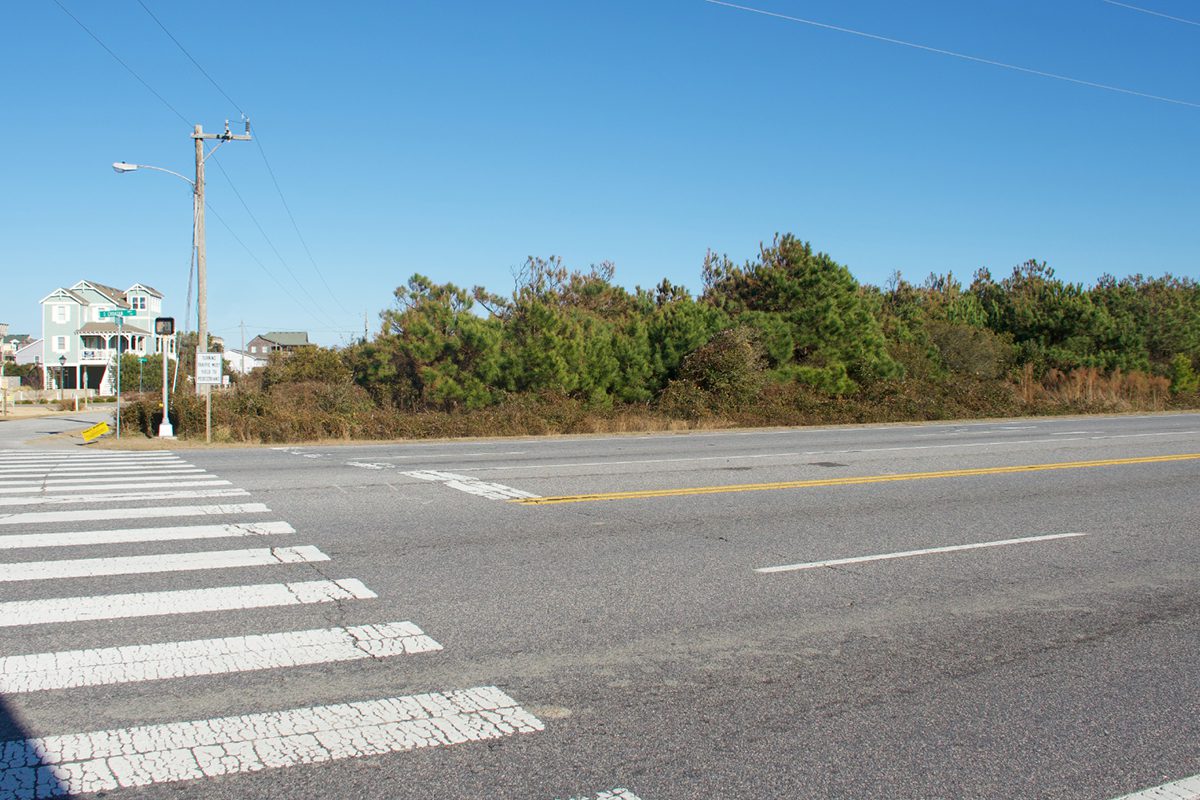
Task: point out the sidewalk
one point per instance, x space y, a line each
43 427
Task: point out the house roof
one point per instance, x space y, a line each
109 327
15 338
70 295
286 338
112 293
147 289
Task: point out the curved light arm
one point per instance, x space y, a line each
121 167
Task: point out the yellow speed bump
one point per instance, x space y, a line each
95 432
903 476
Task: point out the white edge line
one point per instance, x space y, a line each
910 553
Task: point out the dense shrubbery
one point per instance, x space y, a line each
789 337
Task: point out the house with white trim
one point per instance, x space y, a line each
79 346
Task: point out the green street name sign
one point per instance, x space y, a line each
118 312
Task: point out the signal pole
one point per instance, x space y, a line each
201 258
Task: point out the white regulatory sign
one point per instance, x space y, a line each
208 368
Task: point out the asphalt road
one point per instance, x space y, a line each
635 641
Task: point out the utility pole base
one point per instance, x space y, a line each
165 430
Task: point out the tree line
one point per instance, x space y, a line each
787 337
789 316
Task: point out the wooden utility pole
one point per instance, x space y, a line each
201 259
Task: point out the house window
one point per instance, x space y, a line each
60 344
138 304
59 313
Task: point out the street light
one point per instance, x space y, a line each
62 368
198 137
121 167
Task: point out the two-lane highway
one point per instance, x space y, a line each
1003 609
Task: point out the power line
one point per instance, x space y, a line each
189 55
262 152
299 235
1153 13
255 258
315 305
953 54
128 68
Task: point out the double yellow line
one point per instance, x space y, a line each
904 476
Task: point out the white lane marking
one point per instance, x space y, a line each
92 515
805 453
183 532
166 562
151 662
465 483
121 497
119 487
611 794
369 465
1185 789
910 553
179 601
435 475
1071 433
149 754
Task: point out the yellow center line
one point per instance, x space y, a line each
904 476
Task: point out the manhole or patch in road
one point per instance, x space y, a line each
551 712
826 464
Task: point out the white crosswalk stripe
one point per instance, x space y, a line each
42 517
179 601
112 759
136 489
168 562
129 535
114 476
148 662
77 486
76 472
117 497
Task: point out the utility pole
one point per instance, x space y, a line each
201 261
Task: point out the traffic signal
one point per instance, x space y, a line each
164 326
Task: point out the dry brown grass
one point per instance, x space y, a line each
314 412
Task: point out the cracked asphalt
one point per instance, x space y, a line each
658 660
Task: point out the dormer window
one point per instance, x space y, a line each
137 303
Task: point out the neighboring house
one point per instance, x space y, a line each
79 346
10 343
276 341
242 363
30 352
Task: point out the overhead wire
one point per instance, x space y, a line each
1153 13
253 257
954 54
118 59
316 306
196 63
300 236
262 152
174 110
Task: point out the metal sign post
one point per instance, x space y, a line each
118 316
208 373
164 329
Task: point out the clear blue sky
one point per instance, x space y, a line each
456 138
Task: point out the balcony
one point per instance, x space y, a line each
100 356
